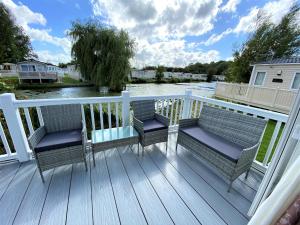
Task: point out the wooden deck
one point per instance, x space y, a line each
125 189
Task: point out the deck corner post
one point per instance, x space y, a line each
187 104
15 126
125 108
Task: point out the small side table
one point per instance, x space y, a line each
112 138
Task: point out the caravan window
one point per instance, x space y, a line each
296 81
260 77
24 68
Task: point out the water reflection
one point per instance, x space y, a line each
203 89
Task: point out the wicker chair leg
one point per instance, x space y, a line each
166 147
94 158
42 176
247 173
229 187
85 163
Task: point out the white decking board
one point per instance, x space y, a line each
11 200
228 212
32 205
205 214
104 206
80 211
7 173
125 188
216 182
154 210
177 209
129 209
56 204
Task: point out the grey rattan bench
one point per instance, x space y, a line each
226 139
61 140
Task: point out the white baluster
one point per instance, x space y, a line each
4 141
176 111
101 116
28 121
109 115
167 111
92 116
172 111
117 114
40 116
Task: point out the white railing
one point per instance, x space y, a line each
275 99
108 112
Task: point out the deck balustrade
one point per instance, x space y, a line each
117 110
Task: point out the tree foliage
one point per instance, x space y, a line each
102 54
159 74
268 41
219 68
15 45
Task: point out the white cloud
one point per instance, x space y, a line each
231 6
55 58
274 10
171 53
216 37
159 19
25 17
159 27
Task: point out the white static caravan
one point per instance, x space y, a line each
273 85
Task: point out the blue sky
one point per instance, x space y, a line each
168 32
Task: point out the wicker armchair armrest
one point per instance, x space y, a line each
36 137
248 155
138 125
163 119
188 122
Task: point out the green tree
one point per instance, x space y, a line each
15 45
268 41
159 73
210 73
102 54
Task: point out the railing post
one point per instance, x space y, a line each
15 126
125 108
186 104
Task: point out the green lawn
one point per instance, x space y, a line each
266 140
69 80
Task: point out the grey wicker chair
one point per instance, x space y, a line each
61 140
226 139
152 127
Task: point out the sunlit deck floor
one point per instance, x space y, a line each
125 189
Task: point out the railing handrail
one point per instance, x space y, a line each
93 100
58 101
247 109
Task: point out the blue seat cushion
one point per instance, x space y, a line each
153 125
222 146
58 140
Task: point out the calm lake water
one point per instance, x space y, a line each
203 89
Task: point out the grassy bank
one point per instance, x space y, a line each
266 140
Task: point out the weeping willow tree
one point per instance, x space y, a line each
102 54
